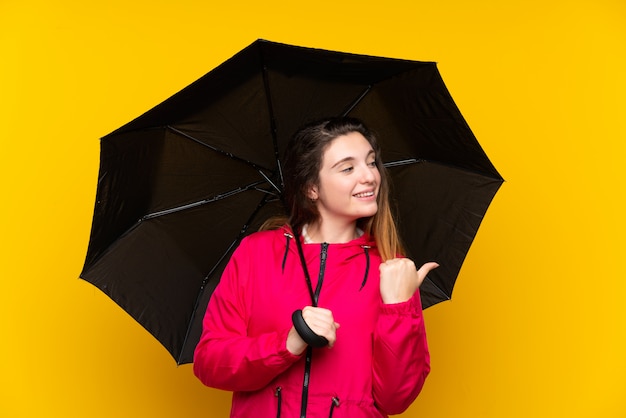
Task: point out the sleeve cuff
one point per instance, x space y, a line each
409 307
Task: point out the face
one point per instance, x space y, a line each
348 180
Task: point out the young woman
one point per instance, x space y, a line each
321 316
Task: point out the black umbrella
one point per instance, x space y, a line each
181 185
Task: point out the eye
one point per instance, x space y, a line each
347 169
372 163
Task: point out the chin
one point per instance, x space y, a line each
368 213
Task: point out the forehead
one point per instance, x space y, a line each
351 145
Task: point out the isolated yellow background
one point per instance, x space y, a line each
537 325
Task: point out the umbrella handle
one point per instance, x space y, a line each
306 333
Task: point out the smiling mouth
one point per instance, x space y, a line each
364 194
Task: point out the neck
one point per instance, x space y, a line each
319 232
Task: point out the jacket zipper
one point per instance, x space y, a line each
309 350
367 265
323 257
279 395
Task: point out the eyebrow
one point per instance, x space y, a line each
343 160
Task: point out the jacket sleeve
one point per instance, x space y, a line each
226 357
401 359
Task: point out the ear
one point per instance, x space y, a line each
312 193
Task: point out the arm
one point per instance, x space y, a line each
401 358
226 357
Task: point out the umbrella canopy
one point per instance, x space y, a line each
181 185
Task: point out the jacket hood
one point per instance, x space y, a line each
354 246
345 253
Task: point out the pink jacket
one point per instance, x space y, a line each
377 366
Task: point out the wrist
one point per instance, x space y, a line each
391 299
295 344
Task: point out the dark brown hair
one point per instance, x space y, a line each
301 168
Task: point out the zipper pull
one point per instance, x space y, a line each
324 254
279 403
334 403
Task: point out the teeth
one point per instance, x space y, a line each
365 194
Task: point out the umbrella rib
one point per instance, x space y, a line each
409 161
494 176
261 170
357 101
270 109
242 232
199 297
402 162
203 201
439 290
220 151
270 181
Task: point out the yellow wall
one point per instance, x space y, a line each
537 326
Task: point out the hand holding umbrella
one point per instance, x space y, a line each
320 321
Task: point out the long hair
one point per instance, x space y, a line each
301 168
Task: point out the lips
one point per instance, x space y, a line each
364 194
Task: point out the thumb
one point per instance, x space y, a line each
425 269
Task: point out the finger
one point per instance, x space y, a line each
321 322
321 326
332 337
427 267
313 314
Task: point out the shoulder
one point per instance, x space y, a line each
263 241
256 250
266 236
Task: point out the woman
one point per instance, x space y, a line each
332 275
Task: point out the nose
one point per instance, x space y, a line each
368 174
